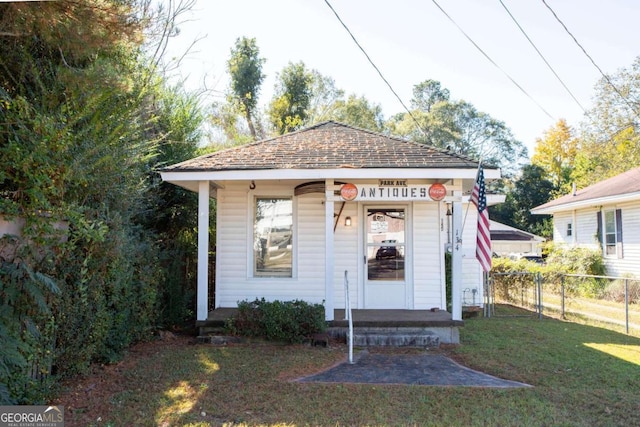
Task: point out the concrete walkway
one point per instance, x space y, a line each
415 369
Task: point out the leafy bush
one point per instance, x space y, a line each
288 321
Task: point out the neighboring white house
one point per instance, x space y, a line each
507 240
296 211
603 216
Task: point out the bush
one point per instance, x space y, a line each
615 291
288 321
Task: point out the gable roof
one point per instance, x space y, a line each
327 145
619 188
501 231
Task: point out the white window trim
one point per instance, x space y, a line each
251 202
604 232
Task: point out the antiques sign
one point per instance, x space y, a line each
392 190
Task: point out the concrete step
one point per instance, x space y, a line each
396 339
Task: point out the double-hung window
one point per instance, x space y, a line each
610 232
273 237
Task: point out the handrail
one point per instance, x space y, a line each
347 311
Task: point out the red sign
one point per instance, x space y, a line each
349 191
437 191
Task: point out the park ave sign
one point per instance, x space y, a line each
392 190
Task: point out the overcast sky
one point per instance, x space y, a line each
412 40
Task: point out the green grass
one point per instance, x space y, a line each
582 376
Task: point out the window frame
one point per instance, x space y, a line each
253 271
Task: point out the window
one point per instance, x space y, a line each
273 237
569 229
610 232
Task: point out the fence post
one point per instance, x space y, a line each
562 294
626 304
539 279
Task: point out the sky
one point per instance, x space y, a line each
411 41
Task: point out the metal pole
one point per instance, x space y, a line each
562 294
539 280
626 304
349 317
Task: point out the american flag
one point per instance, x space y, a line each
483 240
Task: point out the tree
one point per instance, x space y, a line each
457 126
609 137
531 189
289 107
245 69
357 111
555 153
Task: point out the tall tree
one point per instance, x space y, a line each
458 126
357 111
555 153
289 107
245 69
610 135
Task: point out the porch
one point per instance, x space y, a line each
415 328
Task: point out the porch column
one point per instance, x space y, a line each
456 262
203 251
328 249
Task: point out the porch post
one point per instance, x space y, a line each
203 251
456 262
328 250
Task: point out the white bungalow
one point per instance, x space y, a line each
296 211
604 216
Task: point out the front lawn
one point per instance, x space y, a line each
582 376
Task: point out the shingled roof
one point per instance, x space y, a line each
327 145
626 185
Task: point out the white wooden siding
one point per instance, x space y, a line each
234 281
428 276
585 229
347 256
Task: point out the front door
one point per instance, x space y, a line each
385 254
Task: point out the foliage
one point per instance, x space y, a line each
617 289
457 126
245 69
529 190
555 154
84 123
512 276
289 107
610 142
288 321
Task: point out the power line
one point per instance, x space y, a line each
375 67
378 70
626 101
542 57
491 60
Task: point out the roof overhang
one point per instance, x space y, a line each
590 203
190 179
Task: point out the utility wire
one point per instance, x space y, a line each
542 57
491 60
626 101
424 132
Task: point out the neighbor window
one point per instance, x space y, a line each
569 229
273 237
610 232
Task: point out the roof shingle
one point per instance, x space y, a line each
327 145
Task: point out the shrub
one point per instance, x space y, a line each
288 321
615 290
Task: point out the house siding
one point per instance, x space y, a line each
630 262
586 229
425 272
428 273
234 282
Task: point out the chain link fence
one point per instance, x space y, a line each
612 302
